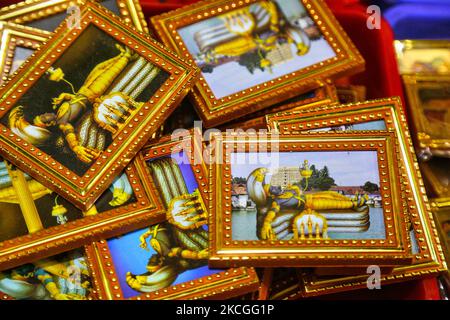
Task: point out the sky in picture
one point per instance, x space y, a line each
347 168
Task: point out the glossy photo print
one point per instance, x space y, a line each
308 195
261 42
62 277
172 252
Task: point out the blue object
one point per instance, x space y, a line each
420 20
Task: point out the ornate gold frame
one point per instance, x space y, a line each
12 36
426 144
83 191
225 252
429 260
76 233
225 284
31 10
402 46
215 111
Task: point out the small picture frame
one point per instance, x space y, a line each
423 56
325 95
256 53
17 44
382 115
38 223
48 14
92 112
428 99
288 217
65 276
168 259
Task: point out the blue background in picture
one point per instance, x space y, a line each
129 257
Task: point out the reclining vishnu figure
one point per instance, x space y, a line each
273 201
88 118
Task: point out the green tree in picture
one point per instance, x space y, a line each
319 180
370 187
239 180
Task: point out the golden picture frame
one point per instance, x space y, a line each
130 203
17 44
423 56
428 258
274 234
191 31
103 125
48 14
428 102
170 163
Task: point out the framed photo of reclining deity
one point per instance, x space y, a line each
38 223
65 276
168 259
75 114
48 14
17 44
256 53
305 203
385 114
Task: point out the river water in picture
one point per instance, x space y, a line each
244 226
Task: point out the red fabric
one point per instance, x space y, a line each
376 45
